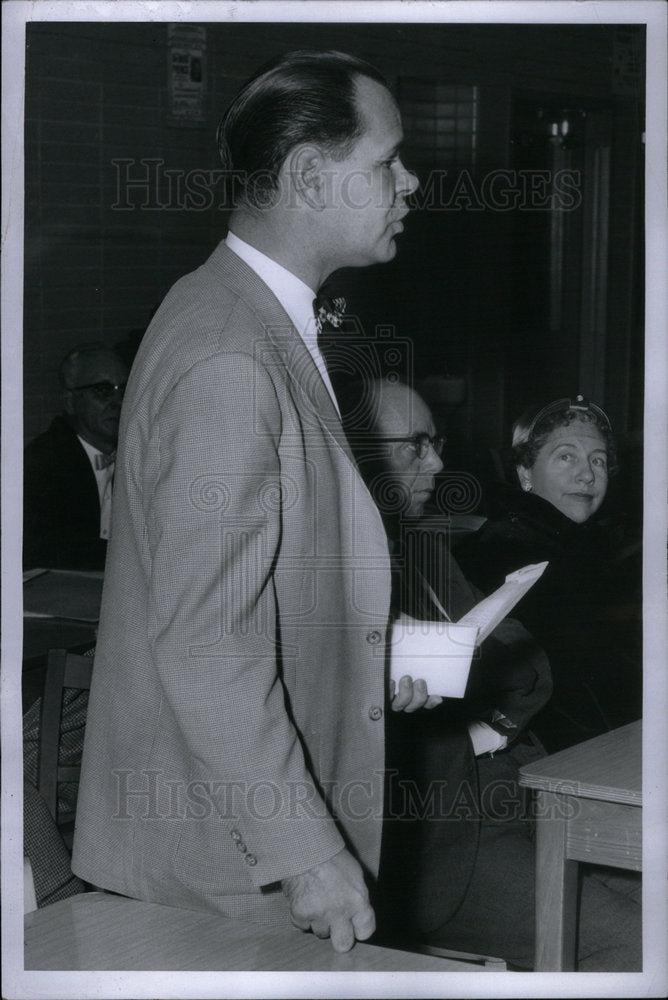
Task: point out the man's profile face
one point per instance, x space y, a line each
403 414
93 414
366 200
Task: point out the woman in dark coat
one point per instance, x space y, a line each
579 610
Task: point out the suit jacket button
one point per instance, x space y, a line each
375 713
251 860
235 835
241 846
374 637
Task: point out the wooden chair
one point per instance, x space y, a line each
63 670
47 866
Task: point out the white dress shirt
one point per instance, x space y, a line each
485 739
104 479
293 294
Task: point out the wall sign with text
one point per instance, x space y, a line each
187 73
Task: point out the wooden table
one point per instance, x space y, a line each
61 608
98 931
589 800
42 634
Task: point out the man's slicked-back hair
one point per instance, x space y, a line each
302 97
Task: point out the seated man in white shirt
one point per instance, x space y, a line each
68 469
457 865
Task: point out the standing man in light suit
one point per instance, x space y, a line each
234 744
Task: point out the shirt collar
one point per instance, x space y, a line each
91 451
294 295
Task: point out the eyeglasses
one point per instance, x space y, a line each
421 443
101 390
579 404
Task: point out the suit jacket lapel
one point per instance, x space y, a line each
74 466
425 560
295 356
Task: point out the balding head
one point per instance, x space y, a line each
392 433
93 377
93 356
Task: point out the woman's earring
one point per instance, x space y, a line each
526 486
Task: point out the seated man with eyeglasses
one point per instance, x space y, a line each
68 469
458 857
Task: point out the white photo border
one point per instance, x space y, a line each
652 982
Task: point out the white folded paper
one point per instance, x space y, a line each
441 652
438 652
493 609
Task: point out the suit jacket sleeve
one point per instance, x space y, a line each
214 523
512 674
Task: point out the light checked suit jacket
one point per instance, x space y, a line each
235 726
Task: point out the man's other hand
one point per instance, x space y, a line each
331 899
412 694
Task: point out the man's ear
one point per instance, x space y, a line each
525 477
304 169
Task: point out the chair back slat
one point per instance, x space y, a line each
78 671
63 670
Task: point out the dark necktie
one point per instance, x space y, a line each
104 461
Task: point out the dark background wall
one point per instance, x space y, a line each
520 304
